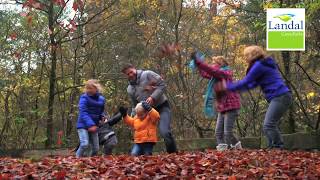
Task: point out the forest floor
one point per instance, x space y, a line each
211 164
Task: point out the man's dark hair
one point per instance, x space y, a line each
126 66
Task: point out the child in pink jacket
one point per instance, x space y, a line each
227 103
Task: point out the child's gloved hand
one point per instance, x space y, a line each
123 111
193 55
196 57
146 106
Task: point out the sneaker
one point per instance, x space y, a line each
222 147
237 145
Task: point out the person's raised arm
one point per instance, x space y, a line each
249 81
204 74
127 119
114 119
213 71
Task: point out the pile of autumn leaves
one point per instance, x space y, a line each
211 164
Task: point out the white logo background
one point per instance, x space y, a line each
298 12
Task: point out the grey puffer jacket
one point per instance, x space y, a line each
148 83
105 131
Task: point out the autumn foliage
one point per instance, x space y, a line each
229 165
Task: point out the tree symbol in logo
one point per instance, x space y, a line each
285 17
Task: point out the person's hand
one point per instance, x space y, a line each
146 106
194 56
224 85
93 129
150 100
123 111
105 120
220 86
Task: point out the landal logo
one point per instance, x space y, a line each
286 31
285 17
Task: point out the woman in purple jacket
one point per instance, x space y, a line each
227 103
91 112
263 71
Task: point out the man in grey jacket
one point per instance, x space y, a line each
149 86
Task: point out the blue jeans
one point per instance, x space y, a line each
87 139
224 127
277 107
142 149
164 127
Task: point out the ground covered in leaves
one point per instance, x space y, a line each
211 164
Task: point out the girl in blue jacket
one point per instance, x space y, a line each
91 112
263 72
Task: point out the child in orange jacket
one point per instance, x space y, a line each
144 124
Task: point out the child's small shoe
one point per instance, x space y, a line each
222 147
237 145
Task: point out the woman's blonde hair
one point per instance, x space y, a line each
252 53
220 60
95 83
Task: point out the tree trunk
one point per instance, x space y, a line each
287 73
6 117
73 96
52 79
36 105
318 121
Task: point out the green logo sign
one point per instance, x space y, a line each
286 31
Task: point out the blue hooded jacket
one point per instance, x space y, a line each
91 110
263 73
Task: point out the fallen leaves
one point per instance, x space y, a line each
168 49
228 165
